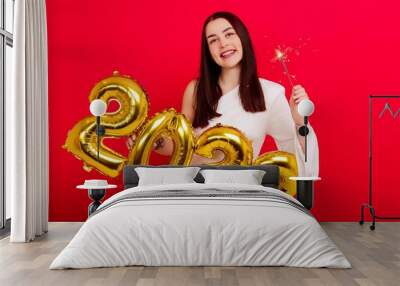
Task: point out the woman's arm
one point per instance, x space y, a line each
282 127
188 101
298 94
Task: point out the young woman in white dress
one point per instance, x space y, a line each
229 91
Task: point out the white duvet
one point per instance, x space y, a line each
200 231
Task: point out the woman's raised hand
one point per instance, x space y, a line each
298 94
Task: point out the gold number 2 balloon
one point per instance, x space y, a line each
170 124
130 115
235 146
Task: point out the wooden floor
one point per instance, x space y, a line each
375 257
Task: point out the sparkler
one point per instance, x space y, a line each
282 57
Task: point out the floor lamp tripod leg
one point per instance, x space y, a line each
362 215
372 227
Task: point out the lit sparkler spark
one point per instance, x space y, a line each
282 57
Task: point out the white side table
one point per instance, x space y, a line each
305 190
96 193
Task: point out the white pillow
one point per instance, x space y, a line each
162 176
248 177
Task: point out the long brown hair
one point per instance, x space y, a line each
208 91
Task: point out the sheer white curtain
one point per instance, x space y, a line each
27 124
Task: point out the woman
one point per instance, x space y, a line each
229 92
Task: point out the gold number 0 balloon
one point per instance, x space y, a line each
171 124
131 113
287 168
235 146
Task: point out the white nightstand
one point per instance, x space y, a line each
305 190
96 193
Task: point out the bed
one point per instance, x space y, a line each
201 224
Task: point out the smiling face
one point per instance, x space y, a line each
224 44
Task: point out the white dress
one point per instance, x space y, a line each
276 121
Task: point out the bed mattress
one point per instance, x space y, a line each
201 225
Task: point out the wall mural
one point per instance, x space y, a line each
131 117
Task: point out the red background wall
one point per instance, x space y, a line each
347 50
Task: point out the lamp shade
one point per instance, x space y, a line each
305 107
98 107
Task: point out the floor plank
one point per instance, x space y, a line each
375 257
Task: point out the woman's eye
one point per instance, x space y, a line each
228 35
212 41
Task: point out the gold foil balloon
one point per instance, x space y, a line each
130 115
235 146
171 124
287 168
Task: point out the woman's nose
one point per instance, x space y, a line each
222 42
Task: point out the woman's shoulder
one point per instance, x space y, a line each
272 91
271 86
190 89
192 84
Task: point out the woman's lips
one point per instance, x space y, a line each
227 54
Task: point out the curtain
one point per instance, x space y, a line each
27 124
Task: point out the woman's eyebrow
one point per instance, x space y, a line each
214 35
226 29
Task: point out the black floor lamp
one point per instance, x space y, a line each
98 108
305 185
